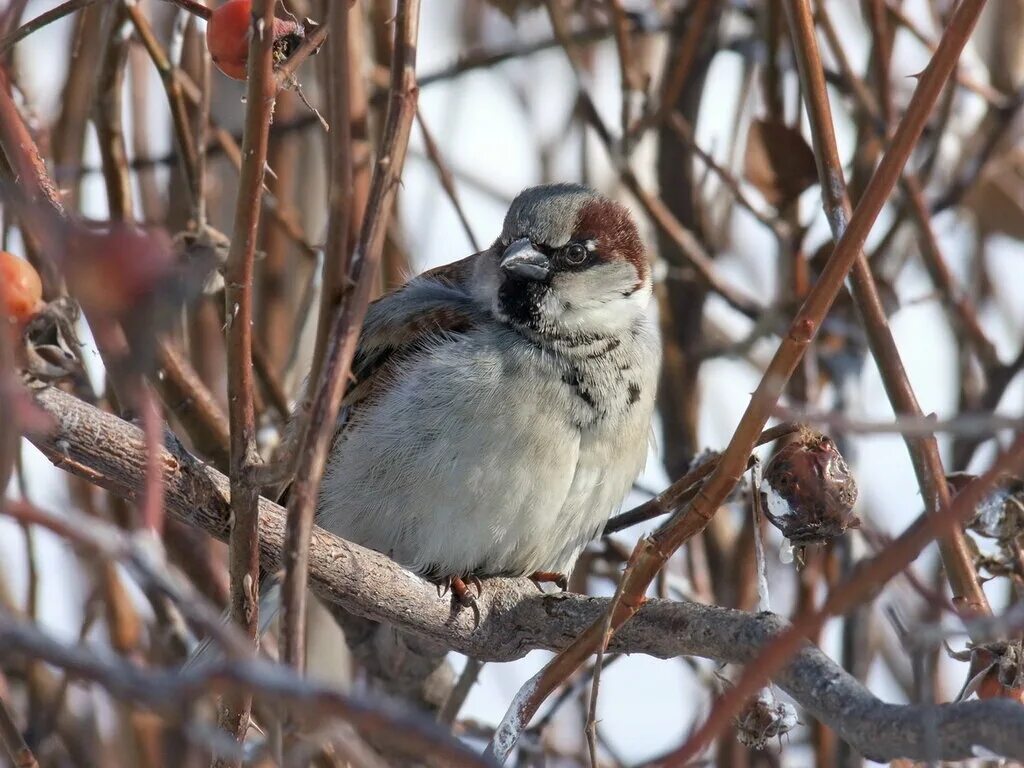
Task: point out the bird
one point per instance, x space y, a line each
500 406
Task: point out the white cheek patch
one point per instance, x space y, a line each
601 299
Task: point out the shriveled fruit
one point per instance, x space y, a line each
21 292
808 490
227 37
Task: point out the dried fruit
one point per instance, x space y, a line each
808 491
1000 514
764 717
227 37
21 292
996 671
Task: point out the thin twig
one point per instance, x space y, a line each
696 21
64 9
337 253
346 324
923 449
628 84
10 736
284 75
193 7
681 126
686 487
444 175
243 550
652 552
457 697
965 424
170 77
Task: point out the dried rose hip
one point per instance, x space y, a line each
1000 514
227 37
21 292
996 671
763 717
808 491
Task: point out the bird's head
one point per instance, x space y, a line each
568 261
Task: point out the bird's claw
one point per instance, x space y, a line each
462 597
549 577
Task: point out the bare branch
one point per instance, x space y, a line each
924 449
515 619
166 691
347 320
652 552
243 557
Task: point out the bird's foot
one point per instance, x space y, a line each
549 577
462 597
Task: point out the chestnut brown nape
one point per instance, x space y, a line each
612 225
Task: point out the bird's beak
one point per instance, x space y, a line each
524 261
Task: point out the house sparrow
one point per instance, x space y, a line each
502 404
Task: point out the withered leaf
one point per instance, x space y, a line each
997 198
778 162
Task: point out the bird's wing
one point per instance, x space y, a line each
429 308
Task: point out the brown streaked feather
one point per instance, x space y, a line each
397 343
379 355
457 273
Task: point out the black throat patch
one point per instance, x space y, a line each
521 300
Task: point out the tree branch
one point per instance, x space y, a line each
651 553
166 691
514 618
924 450
243 550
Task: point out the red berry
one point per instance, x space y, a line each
227 37
21 292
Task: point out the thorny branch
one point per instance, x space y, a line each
652 552
347 319
243 556
924 449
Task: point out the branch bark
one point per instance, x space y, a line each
243 551
514 618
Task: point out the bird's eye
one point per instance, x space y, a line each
576 253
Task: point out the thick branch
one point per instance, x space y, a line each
514 618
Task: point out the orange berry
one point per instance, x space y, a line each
21 291
992 688
227 37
